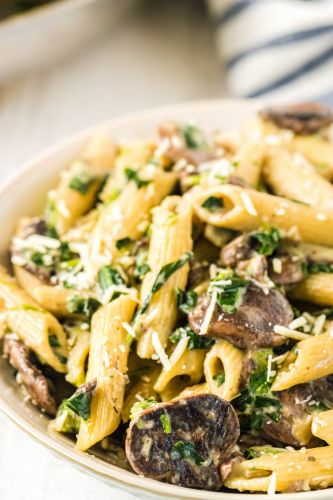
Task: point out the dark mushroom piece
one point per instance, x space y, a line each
303 119
178 149
293 427
237 250
38 226
184 442
252 325
32 378
291 272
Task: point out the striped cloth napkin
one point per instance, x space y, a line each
279 50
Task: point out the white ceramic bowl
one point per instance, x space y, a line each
24 193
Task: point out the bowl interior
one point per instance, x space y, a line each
24 194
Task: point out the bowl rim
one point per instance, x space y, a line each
122 478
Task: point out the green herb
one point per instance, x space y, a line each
162 277
219 379
166 423
80 402
140 271
86 306
65 252
132 175
267 241
51 213
37 258
186 301
195 341
81 182
213 204
123 243
229 288
183 451
256 401
53 341
260 451
108 276
194 137
67 421
320 267
141 406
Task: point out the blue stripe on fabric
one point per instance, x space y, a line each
327 98
306 67
281 41
233 11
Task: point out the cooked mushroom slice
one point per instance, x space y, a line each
237 250
303 119
252 325
294 425
184 442
286 270
33 226
32 378
181 145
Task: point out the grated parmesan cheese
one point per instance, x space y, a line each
160 351
45 241
271 490
179 351
319 324
320 216
288 332
277 266
248 205
129 329
297 323
209 314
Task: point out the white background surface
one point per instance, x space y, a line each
161 53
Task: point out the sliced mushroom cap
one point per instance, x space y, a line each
291 270
38 226
252 325
184 442
293 427
303 119
32 378
178 149
237 250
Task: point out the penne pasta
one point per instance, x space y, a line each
108 365
170 239
223 369
316 288
322 426
79 345
248 210
312 359
36 327
281 470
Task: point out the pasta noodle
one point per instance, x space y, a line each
108 365
170 239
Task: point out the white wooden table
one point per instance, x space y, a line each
162 53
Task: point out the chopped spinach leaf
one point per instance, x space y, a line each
141 406
319 267
86 306
53 341
162 277
256 401
79 403
193 137
195 341
81 182
186 301
140 271
132 175
219 379
108 276
267 241
183 451
166 423
123 243
230 289
213 204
